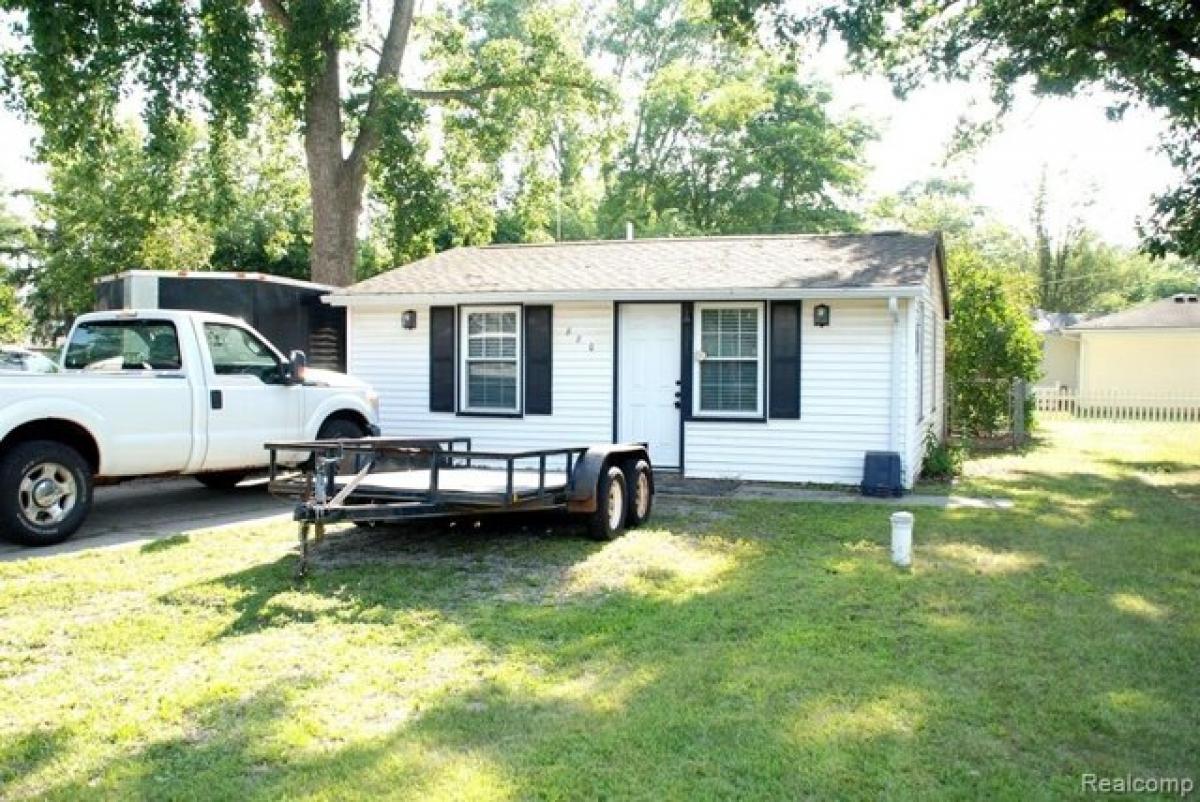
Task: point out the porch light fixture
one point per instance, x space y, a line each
821 315
408 320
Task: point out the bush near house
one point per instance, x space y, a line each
990 341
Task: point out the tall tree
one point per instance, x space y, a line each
724 137
335 66
15 240
1143 51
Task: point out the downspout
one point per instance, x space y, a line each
895 425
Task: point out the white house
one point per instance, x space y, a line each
768 358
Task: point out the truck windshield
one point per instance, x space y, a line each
117 345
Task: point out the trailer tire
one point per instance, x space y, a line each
45 493
221 480
641 493
608 521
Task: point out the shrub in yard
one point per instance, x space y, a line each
989 342
943 459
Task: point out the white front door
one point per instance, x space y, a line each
648 383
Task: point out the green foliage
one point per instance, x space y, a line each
943 459
120 207
14 323
405 182
1142 52
540 119
1078 272
71 62
989 342
726 139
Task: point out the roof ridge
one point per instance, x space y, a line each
699 238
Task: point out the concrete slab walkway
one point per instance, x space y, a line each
677 487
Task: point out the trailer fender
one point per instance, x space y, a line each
592 465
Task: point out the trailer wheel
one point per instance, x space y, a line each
221 480
45 493
609 518
641 493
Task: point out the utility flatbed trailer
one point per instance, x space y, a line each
385 480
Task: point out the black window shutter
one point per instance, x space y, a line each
785 360
441 359
539 359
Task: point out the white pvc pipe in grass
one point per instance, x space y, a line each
902 530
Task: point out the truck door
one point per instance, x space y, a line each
136 382
248 401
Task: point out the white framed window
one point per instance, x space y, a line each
491 359
728 370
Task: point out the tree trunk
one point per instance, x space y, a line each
335 184
336 205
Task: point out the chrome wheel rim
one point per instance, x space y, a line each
641 496
47 494
616 505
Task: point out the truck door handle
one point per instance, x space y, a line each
215 399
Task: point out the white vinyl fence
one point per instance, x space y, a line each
1116 406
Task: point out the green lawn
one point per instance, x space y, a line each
755 650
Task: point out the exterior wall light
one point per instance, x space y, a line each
408 320
821 315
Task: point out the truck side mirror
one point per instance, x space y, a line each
297 362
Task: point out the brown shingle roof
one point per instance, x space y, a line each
886 260
1180 311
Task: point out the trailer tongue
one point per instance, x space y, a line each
382 480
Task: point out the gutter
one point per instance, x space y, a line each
897 405
378 300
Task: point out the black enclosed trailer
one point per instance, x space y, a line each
288 312
384 480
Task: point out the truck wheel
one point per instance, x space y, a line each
221 480
609 518
641 494
45 493
340 429
343 429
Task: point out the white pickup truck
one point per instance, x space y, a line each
155 393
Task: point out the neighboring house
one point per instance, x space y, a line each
1060 351
769 358
1152 350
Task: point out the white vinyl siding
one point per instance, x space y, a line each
927 377
845 392
396 363
729 376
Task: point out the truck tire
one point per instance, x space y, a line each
221 480
343 429
641 493
340 429
45 493
608 520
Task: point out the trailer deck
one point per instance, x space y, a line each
389 480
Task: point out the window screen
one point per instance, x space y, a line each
730 372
